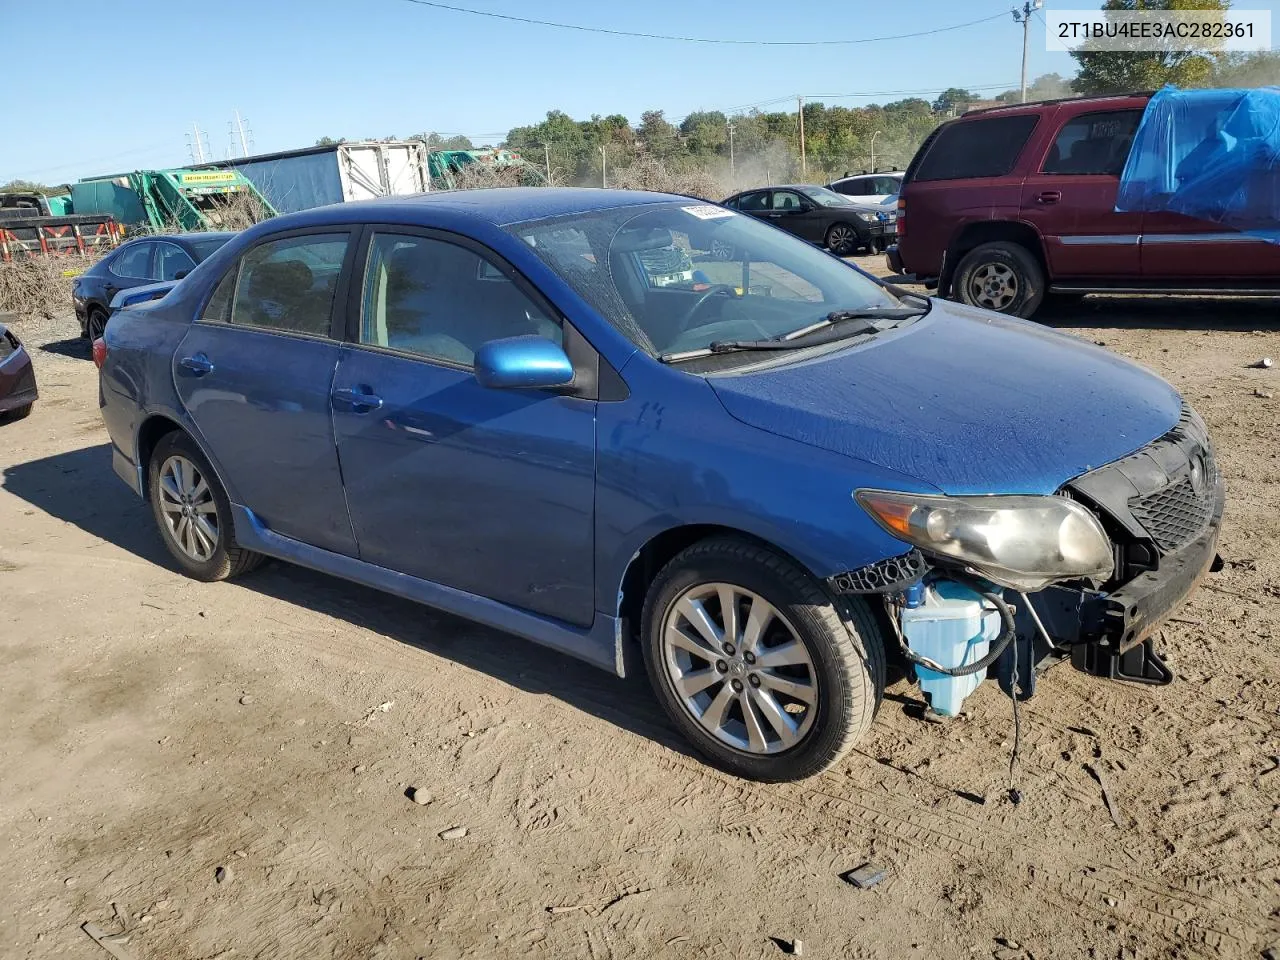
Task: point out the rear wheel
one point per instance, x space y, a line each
842 240
1001 276
753 663
193 512
97 323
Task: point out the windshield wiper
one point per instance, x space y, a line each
797 339
803 337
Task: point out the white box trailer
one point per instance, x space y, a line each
293 180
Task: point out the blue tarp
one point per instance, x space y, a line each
296 182
1209 154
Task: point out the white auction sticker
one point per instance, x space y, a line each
706 211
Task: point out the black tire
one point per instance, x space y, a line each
842 239
226 559
96 323
1001 276
847 655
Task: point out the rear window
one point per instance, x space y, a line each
976 148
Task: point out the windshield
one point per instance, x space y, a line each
204 247
824 197
677 277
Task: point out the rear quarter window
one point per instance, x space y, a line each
975 148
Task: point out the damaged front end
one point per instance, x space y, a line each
983 593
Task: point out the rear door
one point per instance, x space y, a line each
1070 198
488 491
255 372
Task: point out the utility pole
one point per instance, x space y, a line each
1023 17
804 163
733 174
244 143
546 149
197 144
604 160
873 150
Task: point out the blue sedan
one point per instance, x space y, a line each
565 414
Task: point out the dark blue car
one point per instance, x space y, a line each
766 475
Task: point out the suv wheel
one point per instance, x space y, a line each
193 512
752 662
1001 276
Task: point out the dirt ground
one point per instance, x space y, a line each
157 729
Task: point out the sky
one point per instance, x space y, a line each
125 93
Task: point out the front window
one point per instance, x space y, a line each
824 197
678 277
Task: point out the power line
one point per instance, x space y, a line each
714 40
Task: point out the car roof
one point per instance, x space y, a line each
183 238
864 176
500 206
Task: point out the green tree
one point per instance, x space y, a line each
29 186
657 135
1103 72
436 141
950 97
1047 86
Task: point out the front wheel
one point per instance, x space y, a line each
842 240
752 662
1002 276
96 325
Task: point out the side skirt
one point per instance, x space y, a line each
598 644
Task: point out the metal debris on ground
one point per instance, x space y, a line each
865 876
108 942
1107 800
1263 364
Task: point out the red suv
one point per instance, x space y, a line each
1011 203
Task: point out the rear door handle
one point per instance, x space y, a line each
199 364
1049 196
360 401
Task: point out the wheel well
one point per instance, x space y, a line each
658 552
975 235
150 434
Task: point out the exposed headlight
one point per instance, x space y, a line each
869 217
1021 542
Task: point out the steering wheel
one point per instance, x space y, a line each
715 290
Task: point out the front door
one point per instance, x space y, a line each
254 374
798 215
488 491
1071 198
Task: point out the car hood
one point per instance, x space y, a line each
964 400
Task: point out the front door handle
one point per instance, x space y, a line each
199 364
1049 196
360 401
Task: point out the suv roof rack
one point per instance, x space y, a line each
1044 103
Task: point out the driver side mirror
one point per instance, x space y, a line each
522 363
180 274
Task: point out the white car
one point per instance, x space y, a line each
870 187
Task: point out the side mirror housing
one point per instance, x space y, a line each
522 363
181 274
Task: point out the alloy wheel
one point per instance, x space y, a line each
739 668
97 325
188 508
994 286
841 240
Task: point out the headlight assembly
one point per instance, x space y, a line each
1021 542
868 217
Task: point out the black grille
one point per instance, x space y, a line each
1175 515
